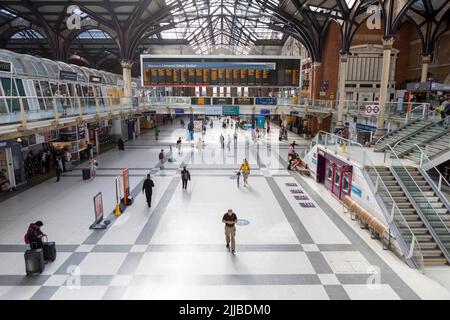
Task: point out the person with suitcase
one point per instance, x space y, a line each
34 235
93 168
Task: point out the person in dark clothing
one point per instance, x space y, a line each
230 220
120 144
148 189
34 235
59 168
185 176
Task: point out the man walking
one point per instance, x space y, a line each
222 141
161 159
148 189
59 168
185 176
230 219
179 145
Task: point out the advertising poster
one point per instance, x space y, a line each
126 182
98 207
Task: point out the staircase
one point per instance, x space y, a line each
423 136
401 133
432 254
433 148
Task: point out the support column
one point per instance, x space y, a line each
388 42
342 78
126 70
315 80
425 64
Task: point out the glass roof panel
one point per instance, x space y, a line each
208 25
93 34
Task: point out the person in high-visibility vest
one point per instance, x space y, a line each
245 169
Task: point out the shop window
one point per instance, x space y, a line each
345 184
330 171
337 176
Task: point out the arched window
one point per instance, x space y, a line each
93 34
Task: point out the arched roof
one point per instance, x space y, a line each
205 25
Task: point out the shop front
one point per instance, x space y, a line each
7 172
334 174
72 140
100 137
36 157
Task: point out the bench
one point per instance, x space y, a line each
377 228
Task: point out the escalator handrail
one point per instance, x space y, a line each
422 153
418 206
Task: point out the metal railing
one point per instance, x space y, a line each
408 243
428 213
435 175
349 149
24 109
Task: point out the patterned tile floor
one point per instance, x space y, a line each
297 244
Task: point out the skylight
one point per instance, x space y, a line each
234 25
93 34
27 34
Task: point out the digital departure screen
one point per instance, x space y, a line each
227 71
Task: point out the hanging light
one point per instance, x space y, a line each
19 140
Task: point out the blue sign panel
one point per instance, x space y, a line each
366 127
179 111
266 101
260 121
294 113
265 112
356 191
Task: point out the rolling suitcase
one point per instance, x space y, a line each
69 166
34 261
86 174
49 250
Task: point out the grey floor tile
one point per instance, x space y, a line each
336 292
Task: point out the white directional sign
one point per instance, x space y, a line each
372 109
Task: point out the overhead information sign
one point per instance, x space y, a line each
230 110
68 75
245 101
266 101
220 70
213 111
5 66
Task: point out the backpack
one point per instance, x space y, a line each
185 175
161 156
25 237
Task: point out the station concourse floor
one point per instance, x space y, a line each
176 249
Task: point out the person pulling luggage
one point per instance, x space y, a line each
245 169
34 236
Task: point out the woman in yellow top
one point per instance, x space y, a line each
245 168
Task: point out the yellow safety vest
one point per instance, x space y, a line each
245 167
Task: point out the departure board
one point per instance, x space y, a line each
223 71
